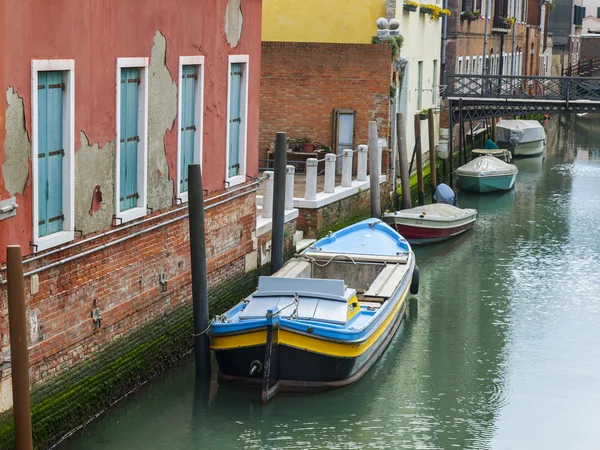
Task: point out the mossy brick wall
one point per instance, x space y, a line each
123 282
79 393
302 83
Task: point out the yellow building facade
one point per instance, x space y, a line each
332 21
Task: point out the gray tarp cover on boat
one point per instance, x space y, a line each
519 131
486 165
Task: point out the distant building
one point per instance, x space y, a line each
565 23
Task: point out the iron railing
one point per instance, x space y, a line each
562 89
584 68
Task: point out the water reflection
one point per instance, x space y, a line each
499 349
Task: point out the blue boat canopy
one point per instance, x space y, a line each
369 237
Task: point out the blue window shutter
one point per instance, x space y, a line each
188 122
129 139
235 118
50 152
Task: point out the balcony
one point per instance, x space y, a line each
501 25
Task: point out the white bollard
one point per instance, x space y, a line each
289 187
347 168
361 170
311 179
267 204
330 173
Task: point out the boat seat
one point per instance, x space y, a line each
386 282
294 269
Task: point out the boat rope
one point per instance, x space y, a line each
314 261
202 332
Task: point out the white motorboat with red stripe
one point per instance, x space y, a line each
431 223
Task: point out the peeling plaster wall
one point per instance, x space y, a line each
16 145
234 21
67 29
94 166
162 112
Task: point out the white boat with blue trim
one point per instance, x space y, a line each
322 320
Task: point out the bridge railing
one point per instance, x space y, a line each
522 87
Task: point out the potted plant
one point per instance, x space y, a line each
445 12
409 5
470 15
434 11
507 21
423 114
309 147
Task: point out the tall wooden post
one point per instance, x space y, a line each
374 170
419 156
403 155
199 275
432 155
278 225
18 348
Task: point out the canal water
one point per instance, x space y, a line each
500 349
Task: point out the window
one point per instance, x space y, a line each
237 116
190 116
420 86
460 68
132 141
343 133
53 151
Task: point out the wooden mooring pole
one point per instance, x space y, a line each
403 155
19 357
420 189
278 225
374 170
432 155
199 276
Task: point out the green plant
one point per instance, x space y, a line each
395 41
305 140
326 149
411 3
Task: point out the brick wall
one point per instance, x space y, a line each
301 84
123 282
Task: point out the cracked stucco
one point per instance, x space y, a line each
233 22
94 166
16 145
162 111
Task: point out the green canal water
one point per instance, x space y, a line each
500 349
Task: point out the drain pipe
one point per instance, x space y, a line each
125 238
485 35
444 43
137 223
514 36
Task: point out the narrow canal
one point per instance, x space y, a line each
499 350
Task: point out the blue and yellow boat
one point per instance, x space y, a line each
323 319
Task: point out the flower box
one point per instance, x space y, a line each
408 7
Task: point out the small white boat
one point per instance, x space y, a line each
431 223
487 174
521 137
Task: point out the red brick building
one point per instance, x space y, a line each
512 48
101 114
313 89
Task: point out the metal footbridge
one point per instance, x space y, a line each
474 97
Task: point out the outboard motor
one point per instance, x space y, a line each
445 194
